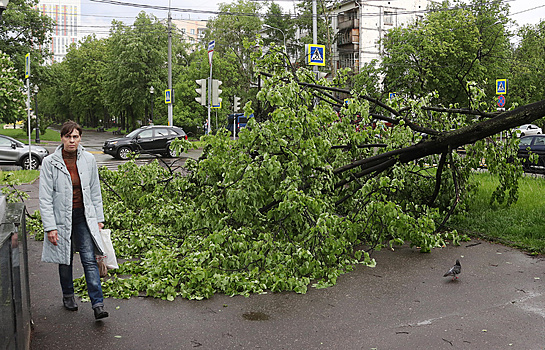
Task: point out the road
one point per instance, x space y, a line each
92 141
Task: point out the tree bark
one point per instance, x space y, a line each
447 141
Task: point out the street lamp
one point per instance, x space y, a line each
151 91
36 89
283 35
3 6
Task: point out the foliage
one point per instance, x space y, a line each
528 70
136 62
11 92
271 211
284 32
25 30
448 48
34 226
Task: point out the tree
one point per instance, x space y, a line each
25 30
86 64
450 47
136 61
237 22
285 32
304 196
11 92
528 70
55 93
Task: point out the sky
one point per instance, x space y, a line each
98 14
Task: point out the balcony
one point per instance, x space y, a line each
348 24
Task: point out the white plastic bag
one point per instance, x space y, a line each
109 252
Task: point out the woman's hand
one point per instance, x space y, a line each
53 236
100 225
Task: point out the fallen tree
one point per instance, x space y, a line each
305 195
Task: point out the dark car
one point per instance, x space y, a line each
239 119
155 139
534 144
13 152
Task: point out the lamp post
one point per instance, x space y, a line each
151 91
283 35
3 6
36 89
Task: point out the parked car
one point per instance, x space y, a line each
154 139
528 129
534 144
13 152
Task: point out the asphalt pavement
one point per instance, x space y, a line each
498 302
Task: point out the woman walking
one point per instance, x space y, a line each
72 215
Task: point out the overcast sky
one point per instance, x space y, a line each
96 16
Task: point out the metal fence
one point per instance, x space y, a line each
15 320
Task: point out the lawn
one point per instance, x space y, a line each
21 135
521 225
21 176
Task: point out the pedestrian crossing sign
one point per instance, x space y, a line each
501 86
315 55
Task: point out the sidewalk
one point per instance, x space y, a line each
403 303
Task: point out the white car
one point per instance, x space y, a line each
528 129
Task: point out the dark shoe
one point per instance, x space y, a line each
100 313
70 303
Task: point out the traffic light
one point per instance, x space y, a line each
201 91
216 92
236 103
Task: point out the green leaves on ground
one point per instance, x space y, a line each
265 212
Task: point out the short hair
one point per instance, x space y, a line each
69 126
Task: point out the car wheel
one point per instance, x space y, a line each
170 153
521 134
30 165
123 153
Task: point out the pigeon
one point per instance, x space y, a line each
455 270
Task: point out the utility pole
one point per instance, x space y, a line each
169 106
314 31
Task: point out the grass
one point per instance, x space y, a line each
21 176
21 135
521 225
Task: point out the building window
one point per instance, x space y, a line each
192 31
389 18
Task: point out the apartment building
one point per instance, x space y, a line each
192 30
66 14
360 25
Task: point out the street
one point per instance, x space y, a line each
92 141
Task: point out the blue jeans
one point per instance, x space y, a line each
84 244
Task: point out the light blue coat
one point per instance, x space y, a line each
56 203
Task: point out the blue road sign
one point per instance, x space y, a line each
168 96
392 95
316 55
501 86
